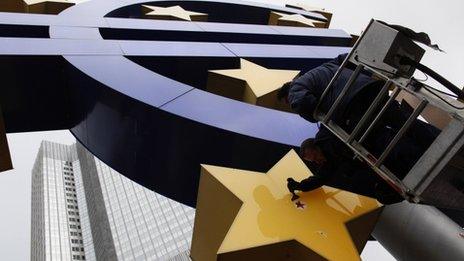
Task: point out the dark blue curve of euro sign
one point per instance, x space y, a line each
119 86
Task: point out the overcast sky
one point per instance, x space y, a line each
443 21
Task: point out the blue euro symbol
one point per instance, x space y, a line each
115 81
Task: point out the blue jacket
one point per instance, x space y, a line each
343 172
306 90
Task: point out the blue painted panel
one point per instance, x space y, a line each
32 93
25 31
27 19
167 48
327 51
33 46
237 28
130 79
285 51
151 24
46 20
86 20
308 31
73 32
243 118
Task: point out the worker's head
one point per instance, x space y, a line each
282 93
311 152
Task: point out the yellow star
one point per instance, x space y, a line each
276 18
11 6
36 6
172 13
48 6
251 83
245 215
322 11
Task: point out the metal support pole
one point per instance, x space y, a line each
419 232
401 132
375 104
382 111
344 91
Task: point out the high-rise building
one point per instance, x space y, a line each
84 210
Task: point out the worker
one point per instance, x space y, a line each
304 92
332 164
303 95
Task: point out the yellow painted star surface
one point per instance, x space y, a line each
251 83
319 10
265 217
48 6
33 2
277 18
36 6
173 13
12 6
306 7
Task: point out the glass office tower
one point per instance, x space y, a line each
83 210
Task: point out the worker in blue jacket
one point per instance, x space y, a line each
332 164
304 92
303 95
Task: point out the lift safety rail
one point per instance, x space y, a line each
437 178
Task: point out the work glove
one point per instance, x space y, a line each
292 184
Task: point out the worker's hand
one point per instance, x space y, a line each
292 185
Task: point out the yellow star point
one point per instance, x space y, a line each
48 6
251 83
243 214
319 10
36 6
172 13
276 18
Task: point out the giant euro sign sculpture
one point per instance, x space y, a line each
133 88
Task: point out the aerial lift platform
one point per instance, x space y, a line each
390 53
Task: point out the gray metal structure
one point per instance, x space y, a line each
419 232
437 177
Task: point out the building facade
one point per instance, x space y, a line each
84 210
